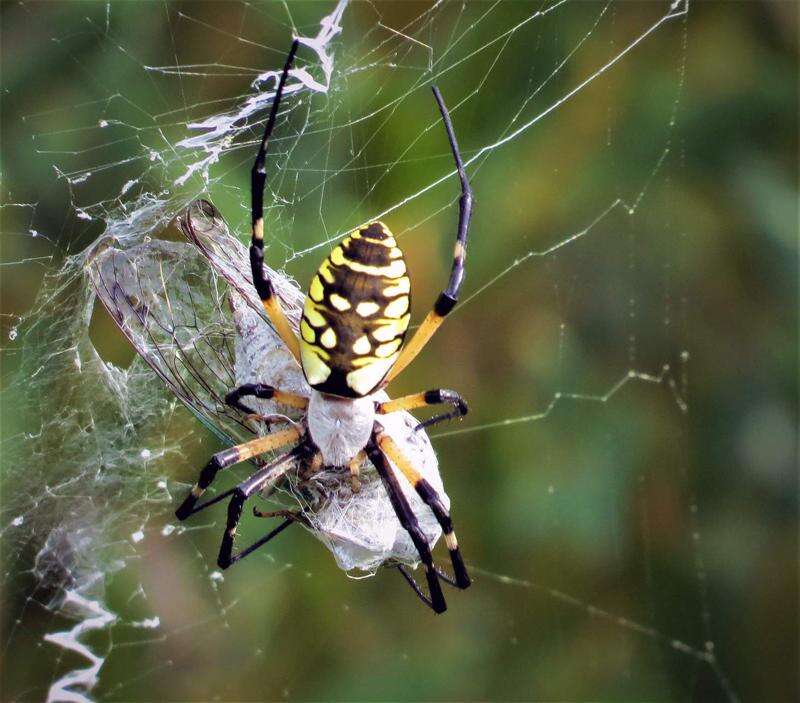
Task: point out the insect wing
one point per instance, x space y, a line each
166 300
204 226
260 355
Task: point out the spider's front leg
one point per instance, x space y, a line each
449 296
436 396
258 181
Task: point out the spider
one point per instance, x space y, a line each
350 346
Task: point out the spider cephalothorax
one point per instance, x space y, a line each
350 344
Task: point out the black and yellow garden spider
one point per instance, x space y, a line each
350 346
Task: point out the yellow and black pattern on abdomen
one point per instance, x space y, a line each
356 314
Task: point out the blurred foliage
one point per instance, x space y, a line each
595 501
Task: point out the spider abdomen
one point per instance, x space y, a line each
356 314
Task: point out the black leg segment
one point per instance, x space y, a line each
229 457
240 495
430 497
258 181
264 392
449 296
409 522
220 460
437 396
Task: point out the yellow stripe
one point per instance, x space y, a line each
316 291
282 326
314 368
307 333
325 271
315 319
394 270
363 380
388 242
362 346
402 286
389 329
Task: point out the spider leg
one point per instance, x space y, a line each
263 391
409 522
294 515
269 473
229 457
420 400
431 498
449 297
415 586
258 181
355 469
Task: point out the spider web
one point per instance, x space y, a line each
106 596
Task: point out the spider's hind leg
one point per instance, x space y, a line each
409 522
258 181
432 499
415 586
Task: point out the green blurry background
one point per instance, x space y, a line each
681 522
